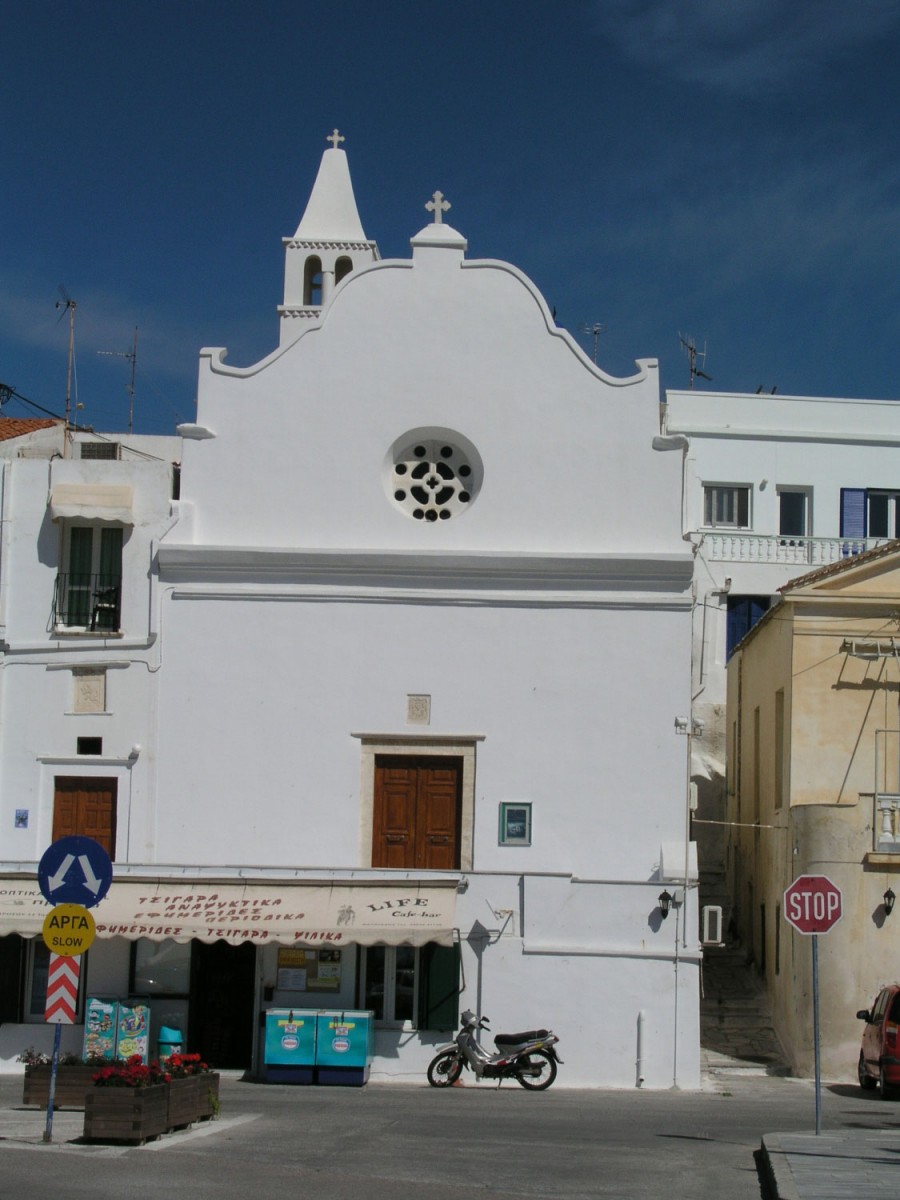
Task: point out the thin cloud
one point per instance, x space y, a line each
743 46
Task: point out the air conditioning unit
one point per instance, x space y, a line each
95 450
711 925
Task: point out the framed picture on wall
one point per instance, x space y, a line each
515 823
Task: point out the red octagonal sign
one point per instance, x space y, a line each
813 904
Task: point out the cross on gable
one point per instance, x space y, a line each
438 205
335 138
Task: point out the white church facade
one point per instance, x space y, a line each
423 617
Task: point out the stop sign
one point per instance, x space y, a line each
812 904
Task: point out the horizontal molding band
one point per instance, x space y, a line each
668 954
627 601
361 573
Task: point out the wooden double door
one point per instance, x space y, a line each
86 805
417 812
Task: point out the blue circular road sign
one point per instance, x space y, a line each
75 870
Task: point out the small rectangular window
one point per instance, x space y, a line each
89 745
793 513
515 824
726 506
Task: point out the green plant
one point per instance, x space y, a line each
37 1058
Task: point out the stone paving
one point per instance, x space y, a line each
736 1032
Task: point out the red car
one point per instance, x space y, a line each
879 1058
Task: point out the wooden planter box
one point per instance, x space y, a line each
72 1084
119 1114
195 1098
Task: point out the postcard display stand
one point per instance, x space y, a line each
117 1028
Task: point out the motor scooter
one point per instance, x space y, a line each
529 1057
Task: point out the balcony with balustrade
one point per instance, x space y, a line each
739 545
886 798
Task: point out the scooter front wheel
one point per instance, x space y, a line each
536 1071
444 1069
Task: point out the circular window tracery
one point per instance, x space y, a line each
433 479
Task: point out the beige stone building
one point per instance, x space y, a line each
813 784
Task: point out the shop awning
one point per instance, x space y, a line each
318 913
104 502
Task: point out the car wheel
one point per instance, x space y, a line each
885 1089
865 1079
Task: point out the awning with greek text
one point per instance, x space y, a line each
290 914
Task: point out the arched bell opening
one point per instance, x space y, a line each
312 281
342 268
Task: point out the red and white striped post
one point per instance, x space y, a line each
59 1010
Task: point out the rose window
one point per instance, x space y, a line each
432 480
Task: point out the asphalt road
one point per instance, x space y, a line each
407 1143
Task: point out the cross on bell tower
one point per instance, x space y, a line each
438 205
329 243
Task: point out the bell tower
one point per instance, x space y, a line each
329 243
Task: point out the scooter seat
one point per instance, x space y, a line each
514 1039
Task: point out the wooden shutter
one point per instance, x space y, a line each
852 513
438 987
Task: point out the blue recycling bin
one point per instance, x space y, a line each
345 1046
290 1050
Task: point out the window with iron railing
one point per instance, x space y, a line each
89 588
92 602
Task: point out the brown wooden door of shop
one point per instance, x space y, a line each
417 813
86 806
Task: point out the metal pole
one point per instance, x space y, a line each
815 974
54 1067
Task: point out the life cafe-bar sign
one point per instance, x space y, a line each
74 875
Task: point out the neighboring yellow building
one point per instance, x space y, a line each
813 785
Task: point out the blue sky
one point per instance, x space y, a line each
725 169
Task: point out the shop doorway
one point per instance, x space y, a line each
223 981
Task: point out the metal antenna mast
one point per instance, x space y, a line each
67 304
690 346
131 355
596 329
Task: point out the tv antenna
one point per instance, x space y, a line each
690 347
131 356
595 329
68 305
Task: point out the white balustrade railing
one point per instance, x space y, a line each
887 822
737 546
